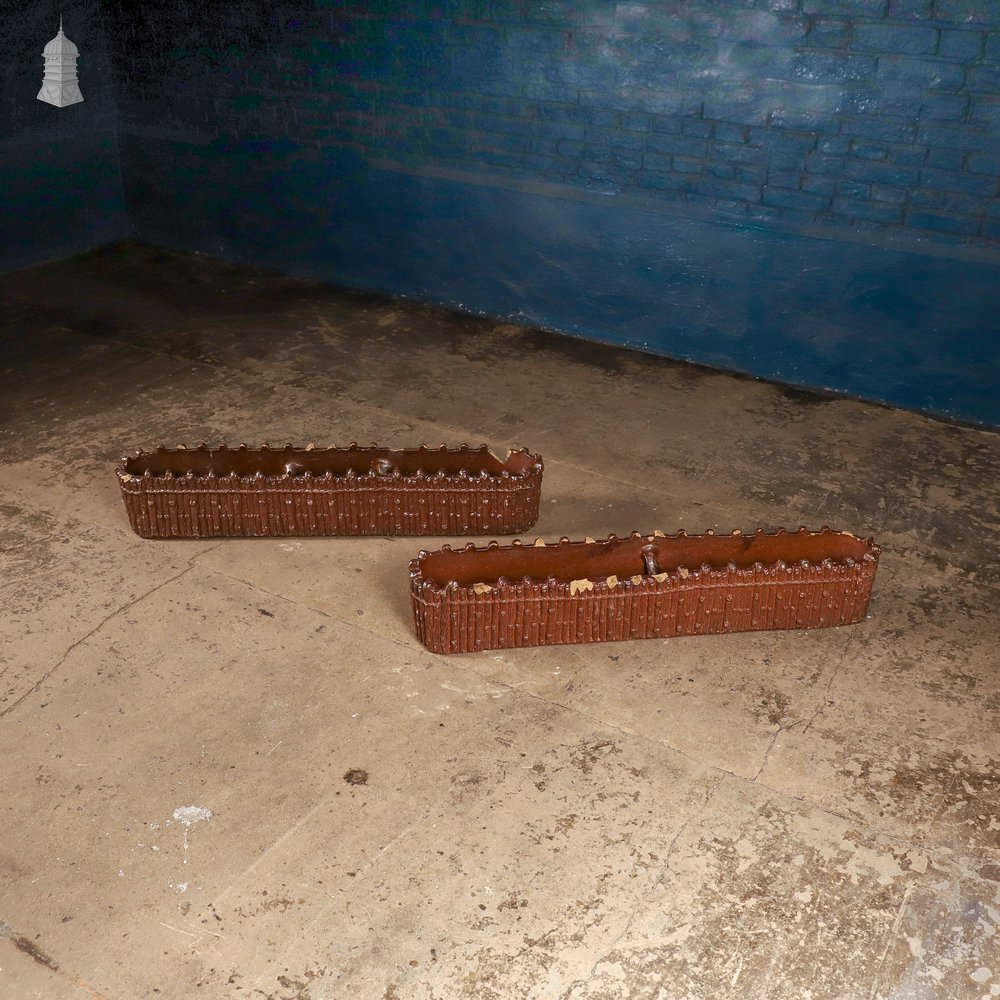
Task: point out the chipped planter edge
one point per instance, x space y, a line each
318 492
663 586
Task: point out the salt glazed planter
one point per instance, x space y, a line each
642 587
306 492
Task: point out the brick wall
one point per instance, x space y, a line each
804 190
879 115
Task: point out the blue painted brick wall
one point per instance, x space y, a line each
636 97
805 190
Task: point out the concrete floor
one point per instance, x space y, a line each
771 815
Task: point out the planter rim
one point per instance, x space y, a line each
264 492
519 464
695 571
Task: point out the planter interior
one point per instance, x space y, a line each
336 462
638 555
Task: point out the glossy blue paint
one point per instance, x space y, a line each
916 330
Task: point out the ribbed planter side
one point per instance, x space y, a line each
698 601
305 504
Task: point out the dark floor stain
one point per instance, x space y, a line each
299 987
805 397
356 776
266 613
772 704
589 753
610 360
29 948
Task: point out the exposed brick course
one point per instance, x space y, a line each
846 111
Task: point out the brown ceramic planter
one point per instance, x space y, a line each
264 492
642 587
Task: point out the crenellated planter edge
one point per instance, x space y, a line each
268 492
645 586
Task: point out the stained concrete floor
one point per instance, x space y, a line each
772 815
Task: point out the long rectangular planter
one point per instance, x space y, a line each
641 587
273 492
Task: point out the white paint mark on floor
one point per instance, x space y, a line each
189 816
